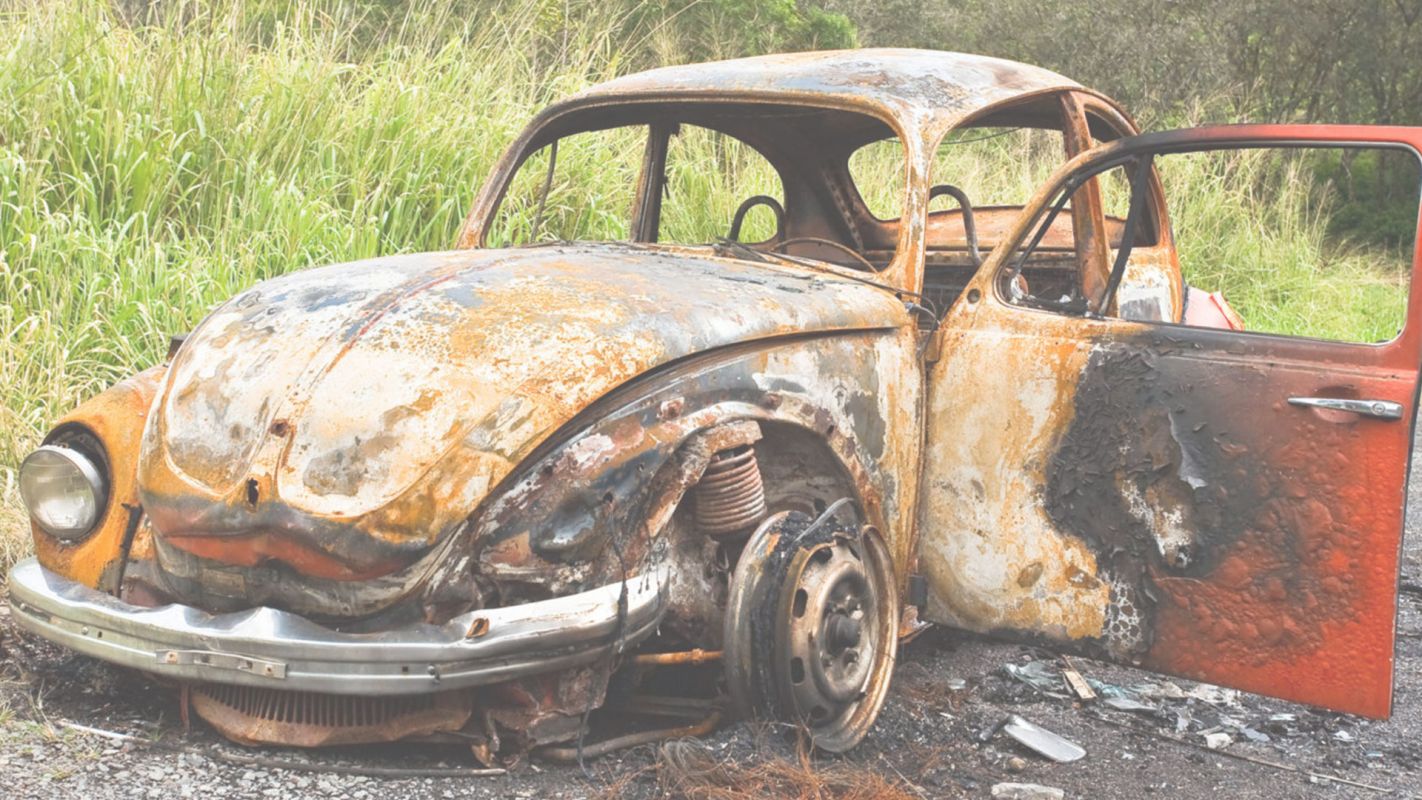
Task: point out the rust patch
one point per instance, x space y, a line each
116 417
306 719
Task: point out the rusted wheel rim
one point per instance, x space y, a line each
835 647
830 632
806 595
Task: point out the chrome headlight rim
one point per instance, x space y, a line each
81 449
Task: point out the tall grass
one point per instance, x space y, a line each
1255 225
151 167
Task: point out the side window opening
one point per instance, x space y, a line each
878 170
1311 241
590 190
752 182
981 178
710 177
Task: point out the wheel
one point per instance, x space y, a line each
810 634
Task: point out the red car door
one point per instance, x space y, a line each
1217 504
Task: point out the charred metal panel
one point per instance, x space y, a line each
608 497
928 88
1147 494
1257 541
343 420
999 398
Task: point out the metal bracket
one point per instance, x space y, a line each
257 666
918 591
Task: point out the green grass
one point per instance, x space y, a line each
149 171
1252 224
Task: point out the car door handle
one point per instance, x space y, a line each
1381 409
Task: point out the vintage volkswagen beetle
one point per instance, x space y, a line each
480 492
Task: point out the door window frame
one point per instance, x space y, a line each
1403 351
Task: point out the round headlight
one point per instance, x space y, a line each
64 491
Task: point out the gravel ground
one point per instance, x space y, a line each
948 689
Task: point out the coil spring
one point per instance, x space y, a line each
730 497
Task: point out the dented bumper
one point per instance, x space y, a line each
276 649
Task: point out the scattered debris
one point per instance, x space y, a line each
1077 683
1039 675
1218 740
1127 704
990 731
100 732
1042 741
1202 709
1026 791
1313 777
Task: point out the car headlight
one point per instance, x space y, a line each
64 490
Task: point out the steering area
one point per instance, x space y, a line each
970 229
751 202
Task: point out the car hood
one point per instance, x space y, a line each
388 396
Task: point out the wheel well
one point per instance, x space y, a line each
800 470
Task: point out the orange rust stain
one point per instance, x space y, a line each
116 416
252 549
992 557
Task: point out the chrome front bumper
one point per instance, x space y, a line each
280 650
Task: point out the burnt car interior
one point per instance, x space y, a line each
958 237
821 213
819 217
1039 277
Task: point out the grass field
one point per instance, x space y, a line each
150 171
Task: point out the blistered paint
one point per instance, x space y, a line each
368 429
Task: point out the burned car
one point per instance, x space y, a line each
479 493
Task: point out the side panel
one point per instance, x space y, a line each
999 400
1147 494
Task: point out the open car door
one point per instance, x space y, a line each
1217 504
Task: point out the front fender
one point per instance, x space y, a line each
594 502
115 417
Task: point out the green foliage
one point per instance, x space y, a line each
1255 225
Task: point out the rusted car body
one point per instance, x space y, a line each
458 493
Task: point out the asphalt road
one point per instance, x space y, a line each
926 743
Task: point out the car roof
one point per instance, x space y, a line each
918 89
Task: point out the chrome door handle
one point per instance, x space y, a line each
1382 409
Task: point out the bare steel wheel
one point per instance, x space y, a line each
810 636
